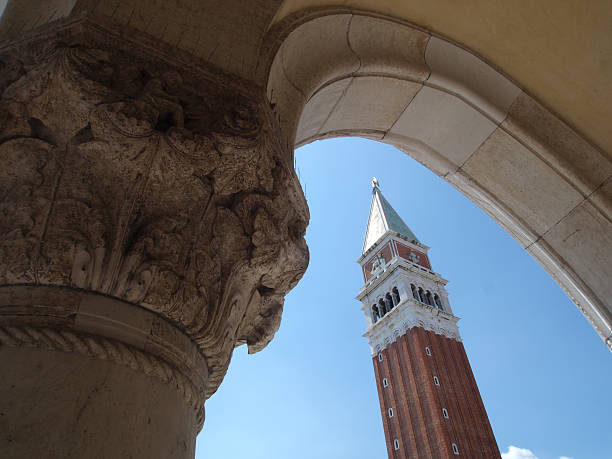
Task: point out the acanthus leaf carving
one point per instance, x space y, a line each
127 178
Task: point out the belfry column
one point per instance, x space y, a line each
150 222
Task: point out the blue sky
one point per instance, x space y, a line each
543 372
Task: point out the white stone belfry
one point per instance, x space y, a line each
401 290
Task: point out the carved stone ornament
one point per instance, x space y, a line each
119 175
407 315
378 265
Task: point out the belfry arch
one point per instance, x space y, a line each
347 73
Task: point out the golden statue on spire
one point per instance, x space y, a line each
374 182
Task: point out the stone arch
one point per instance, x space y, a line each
396 295
356 74
375 313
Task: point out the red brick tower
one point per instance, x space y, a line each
430 404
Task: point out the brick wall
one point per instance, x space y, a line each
418 422
404 252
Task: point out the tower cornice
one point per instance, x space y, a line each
391 267
387 237
408 314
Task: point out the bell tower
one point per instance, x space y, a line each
430 404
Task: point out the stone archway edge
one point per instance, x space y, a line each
348 73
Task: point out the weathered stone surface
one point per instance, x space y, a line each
522 181
286 99
318 109
584 236
114 379
309 67
572 156
123 176
464 74
66 405
404 48
469 123
371 102
445 123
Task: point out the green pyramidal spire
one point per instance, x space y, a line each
383 218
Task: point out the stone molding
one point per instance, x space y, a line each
105 349
343 72
161 186
406 315
396 263
66 320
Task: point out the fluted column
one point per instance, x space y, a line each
150 221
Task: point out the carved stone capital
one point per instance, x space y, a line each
125 175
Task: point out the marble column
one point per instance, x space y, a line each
150 222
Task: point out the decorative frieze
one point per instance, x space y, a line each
406 315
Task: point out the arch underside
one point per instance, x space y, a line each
357 74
